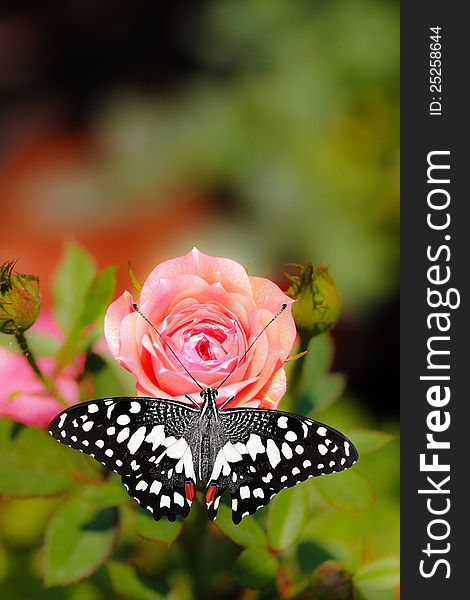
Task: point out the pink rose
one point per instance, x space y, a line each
23 396
209 310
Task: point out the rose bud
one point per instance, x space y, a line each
331 581
19 299
318 307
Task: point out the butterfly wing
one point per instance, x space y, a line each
266 451
147 441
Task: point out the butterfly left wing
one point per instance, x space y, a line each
266 451
145 440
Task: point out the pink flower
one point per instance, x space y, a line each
23 396
209 310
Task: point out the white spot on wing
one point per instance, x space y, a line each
282 422
142 485
178 499
291 436
231 454
123 420
241 448
123 435
62 419
286 450
165 501
322 449
87 426
321 431
346 448
244 491
135 407
155 487
254 446
92 408
274 455
136 439
156 436
178 449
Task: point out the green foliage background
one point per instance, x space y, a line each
70 526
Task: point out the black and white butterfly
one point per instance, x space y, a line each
161 448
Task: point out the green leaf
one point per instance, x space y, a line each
369 440
157 531
247 533
135 282
255 567
327 389
98 296
109 492
42 344
112 379
129 584
319 387
70 286
79 538
286 517
95 302
382 574
346 490
34 464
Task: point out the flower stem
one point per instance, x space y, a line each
46 381
297 372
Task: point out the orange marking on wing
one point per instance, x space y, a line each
210 493
189 491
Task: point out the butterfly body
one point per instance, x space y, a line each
161 448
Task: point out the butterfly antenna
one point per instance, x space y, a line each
137 309
283 307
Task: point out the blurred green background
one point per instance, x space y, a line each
266 131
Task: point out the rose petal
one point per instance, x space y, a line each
116 312
229 273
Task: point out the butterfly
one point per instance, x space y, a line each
161 448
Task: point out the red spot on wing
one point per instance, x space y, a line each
189 491
210 493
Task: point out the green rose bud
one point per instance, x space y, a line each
318 307
19 299
331 581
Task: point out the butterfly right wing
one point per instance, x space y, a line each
147 441
266 451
